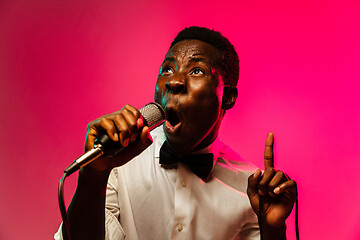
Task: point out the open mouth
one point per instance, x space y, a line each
172 117
172 120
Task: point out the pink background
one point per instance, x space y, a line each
64 63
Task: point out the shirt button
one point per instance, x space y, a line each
179 227
183 183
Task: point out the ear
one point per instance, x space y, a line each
229 97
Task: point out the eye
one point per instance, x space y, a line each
197 71
166 70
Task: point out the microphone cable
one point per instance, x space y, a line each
65 227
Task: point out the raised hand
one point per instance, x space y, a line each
278 192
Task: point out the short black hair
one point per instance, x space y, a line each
229 64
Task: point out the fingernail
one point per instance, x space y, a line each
116 137
140 122
277 190
133 137
149 136
146 128
126 142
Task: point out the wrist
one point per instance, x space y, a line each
274 232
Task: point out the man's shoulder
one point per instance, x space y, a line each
233 161
232 169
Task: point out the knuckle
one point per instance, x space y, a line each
262 185
124 111
102 121
117 118
95 122
281 174
272 185
118 121
133 110
128 108
136 113
270 170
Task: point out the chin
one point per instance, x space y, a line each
180 145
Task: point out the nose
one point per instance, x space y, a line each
175 86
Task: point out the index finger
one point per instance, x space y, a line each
268 153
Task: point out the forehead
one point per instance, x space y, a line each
195 48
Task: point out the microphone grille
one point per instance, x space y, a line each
153 115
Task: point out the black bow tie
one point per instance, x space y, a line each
200 164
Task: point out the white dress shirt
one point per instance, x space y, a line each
147 201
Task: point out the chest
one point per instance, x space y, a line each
176 202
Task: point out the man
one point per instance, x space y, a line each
150 198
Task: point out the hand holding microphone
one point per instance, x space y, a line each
107 136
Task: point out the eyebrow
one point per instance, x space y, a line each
169 58
193 58
198 59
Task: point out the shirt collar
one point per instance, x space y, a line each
213 148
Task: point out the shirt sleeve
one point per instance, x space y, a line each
250 232
113 229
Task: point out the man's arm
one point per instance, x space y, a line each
86 212
278 195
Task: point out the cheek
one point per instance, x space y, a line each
207 96
205 109
159 92
157 95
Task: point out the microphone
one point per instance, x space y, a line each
153 116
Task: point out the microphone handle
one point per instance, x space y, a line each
153 116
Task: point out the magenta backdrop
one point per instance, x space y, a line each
64 63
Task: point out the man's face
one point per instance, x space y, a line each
190 89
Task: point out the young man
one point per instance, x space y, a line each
151 189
